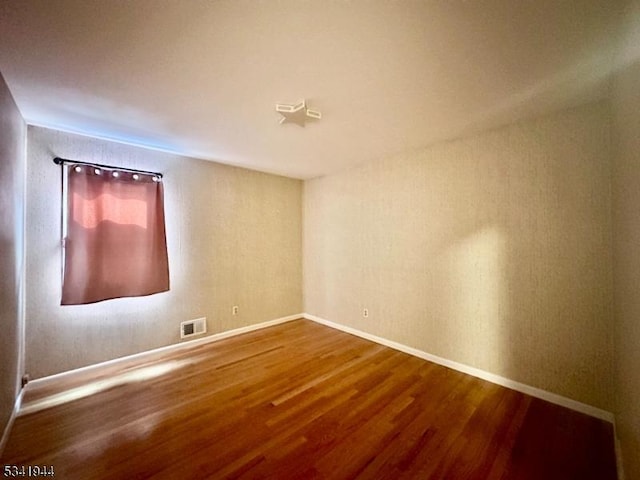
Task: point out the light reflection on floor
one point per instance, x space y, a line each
137 375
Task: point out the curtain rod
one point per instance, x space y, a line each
62 161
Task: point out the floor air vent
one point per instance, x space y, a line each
191 328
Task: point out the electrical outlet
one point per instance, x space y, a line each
234 310
365 312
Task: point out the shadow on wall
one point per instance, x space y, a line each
523 272
476 298
626 195
491 251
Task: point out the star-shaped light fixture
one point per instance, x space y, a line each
298 113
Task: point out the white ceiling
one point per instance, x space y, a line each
202 78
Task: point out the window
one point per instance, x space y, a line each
115 241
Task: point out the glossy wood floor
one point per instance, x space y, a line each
301 401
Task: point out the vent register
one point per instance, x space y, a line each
191 328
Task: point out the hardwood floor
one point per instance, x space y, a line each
301 401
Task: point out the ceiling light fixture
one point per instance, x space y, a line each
298 113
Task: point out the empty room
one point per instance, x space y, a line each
320 239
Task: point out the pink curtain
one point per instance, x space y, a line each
116 242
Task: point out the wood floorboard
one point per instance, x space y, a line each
299 401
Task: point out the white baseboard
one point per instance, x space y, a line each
9 425
476 372
44 381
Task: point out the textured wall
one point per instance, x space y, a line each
493 251
234 238
12 173
626 223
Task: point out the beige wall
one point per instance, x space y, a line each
493 251
12 174
626 223
234 238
